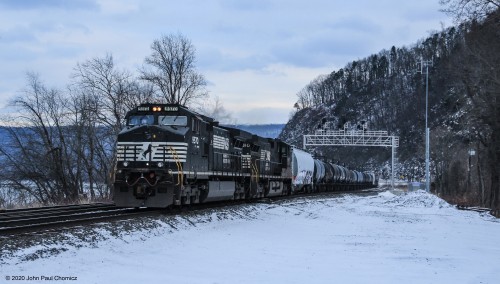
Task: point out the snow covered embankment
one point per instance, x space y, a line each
387 238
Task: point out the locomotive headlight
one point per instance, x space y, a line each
160 164
125 164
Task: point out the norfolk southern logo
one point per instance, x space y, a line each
148 150
221 142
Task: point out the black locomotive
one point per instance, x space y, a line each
170 155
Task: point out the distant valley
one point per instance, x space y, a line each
263 130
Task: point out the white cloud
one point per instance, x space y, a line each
273 87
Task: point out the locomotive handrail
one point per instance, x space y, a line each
180 173
255 170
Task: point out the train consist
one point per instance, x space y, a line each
169 155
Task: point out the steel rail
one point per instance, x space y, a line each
10 216
68 220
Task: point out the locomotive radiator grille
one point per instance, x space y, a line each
152 151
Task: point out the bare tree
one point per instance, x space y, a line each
305 97
102 95
38 158
171 69
469 9
111 88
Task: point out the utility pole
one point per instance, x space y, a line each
426 64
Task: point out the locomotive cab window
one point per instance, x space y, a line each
141 120
172 120
196 125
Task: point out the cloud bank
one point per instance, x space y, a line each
256 54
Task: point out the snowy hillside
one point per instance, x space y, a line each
384 238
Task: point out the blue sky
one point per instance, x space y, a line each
255 54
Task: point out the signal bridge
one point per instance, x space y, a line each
327 137
351 138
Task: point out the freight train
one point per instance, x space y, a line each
168 155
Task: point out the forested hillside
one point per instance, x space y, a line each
387 91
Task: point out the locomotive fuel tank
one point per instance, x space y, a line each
219 191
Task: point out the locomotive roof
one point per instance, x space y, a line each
238 133
148 108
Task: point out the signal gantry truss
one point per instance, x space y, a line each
327 137
351 138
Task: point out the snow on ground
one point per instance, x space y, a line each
384 238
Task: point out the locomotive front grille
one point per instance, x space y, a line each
152 151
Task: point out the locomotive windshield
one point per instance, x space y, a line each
172 120
141 120
168 120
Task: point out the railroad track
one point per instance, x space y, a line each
35 219
13 213
368 191
14 222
